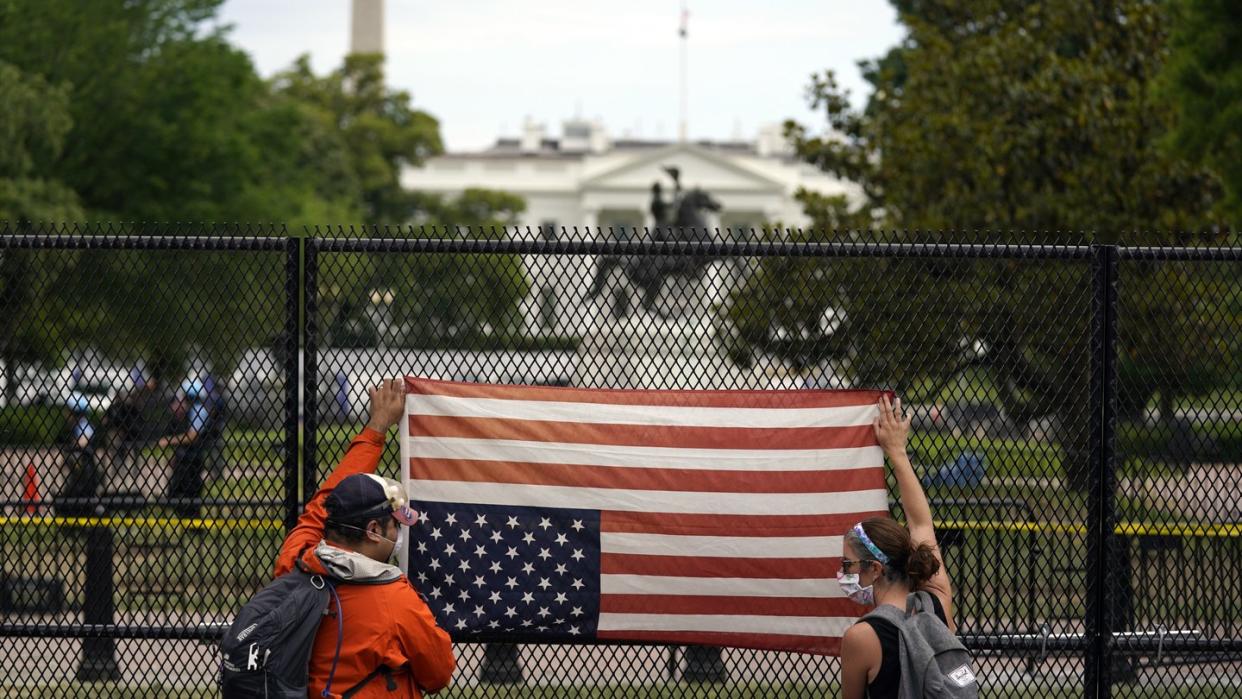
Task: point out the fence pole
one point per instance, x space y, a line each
293 482
1101 515
310 367
98 663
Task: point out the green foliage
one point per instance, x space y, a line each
1202 80
31 425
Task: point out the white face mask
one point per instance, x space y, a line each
857 593
397 544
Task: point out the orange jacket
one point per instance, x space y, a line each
384 623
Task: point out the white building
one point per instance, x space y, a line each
586 180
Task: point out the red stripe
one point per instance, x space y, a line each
732 525
719 567
674 436
676 479
818 645
706 604
702 399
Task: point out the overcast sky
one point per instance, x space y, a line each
482 66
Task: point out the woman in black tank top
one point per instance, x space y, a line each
881 563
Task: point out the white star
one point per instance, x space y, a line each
480 521
511 583
450 550
464 565
577 584
577 611
479 581
561 539
461 623
448 579
496 536
465 534
463 595
512 553
577 525
434 564
424 516
510 612
422 577
529 538
558 622
450 609
422 547
480 551
512 523
528 597
574 630
478 611
435 593
493 624
544 523
495 566
542 628
577 555
543 611
451 518
528 568
495 597
435 534
527 622
561 569
561 598
544 584
545 554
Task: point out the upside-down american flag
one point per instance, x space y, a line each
685 517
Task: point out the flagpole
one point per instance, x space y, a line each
682 128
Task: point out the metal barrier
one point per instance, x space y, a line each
1072 494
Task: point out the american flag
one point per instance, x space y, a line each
686 517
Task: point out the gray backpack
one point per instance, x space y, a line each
934 663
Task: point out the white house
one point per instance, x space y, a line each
587 180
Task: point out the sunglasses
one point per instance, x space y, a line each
846 564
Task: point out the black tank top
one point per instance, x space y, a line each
888 679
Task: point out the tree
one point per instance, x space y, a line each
1203 81
1005 115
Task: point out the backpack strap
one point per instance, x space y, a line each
340 635
920 601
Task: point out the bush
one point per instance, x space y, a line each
30 425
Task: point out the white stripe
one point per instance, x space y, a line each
822 627
722 546
611 414
645 457
624 500
820 588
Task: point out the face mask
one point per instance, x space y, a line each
397 544
857 593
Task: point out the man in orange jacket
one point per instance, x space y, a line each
390 643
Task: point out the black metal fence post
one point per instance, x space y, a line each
293 482
1101 516
310 367
98 663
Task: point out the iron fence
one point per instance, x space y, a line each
1078 428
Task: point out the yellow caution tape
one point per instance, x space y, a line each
147 522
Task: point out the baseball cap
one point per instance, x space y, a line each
365 495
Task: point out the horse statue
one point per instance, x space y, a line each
650 272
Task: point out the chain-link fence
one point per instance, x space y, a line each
170 399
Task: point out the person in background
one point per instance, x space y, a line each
189 449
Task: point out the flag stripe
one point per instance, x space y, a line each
636 500
820 645
723 546
425 447
705 398
704 604
559 411
680 436
737 587
718 566
675 479
791 625
830 524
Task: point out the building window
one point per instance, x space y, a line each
548 230
547 308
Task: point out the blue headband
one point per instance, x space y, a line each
871 547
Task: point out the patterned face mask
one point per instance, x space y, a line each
854 591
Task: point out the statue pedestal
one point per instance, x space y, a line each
676 348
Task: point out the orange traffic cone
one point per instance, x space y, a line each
31 495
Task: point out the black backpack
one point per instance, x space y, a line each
266 652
